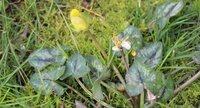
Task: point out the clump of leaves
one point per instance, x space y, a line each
51 65
143 75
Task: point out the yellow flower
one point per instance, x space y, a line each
133 53
78 21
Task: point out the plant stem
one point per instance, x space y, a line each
90 11
119 75
142 100
119 93
71 33
91 95
83 87
183 78
112 89
125 62
106 57
97 45
74 90
110 61
196 76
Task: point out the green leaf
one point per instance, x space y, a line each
162 22
168 90
97 91
169 9
164 12
135 79
134 36
196 57
45 81
41 58
150 55
155 82
76 66
53 73
98 70
133 88
141 77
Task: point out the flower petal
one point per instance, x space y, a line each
116 48
126 45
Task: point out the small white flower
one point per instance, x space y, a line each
121 43
116 48
126 45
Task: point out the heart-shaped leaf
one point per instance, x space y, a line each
76 66
46 56
164 12
141 77
134 36
150 55
45 81
169 9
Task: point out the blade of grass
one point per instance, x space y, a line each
71 33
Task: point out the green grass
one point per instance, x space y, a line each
49 24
